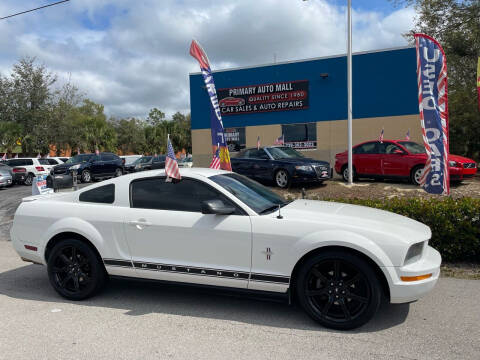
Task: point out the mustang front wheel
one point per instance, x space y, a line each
339 290
74 270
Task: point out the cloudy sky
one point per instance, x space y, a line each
133 55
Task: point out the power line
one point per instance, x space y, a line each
41 7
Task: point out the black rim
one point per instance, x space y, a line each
72 270
337 291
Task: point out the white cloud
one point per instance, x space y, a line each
136 56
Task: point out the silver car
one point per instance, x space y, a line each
6 175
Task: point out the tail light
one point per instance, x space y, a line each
19 170
39 168
123 161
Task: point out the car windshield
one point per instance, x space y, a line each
144 159
284 153
259 198
137 161
80 158
413 147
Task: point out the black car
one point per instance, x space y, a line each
282 164
89 167
147 163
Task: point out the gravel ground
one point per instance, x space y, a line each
370 189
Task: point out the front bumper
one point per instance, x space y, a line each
317 175
402 291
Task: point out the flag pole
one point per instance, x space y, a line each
349 89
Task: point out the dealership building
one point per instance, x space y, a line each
306 102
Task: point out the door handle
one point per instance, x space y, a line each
139 224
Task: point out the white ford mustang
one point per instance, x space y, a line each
222 229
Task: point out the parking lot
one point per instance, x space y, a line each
134 319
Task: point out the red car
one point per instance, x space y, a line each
397 159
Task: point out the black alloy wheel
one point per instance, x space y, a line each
118 172
86 176
339 290
74 270
29 179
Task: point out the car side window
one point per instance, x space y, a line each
52 162
185 195
368 148
107 157
258 154
388 148
101 195
45 162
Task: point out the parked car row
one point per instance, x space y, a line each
25 169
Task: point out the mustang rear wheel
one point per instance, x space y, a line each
339 290
74 270
282 178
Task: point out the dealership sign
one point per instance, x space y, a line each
283 96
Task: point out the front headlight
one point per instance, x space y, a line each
414 253
453 163
303 168
75 167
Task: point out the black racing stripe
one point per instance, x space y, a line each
182 269
270 278
116 262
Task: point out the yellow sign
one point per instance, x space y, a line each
19 142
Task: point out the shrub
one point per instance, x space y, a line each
455 223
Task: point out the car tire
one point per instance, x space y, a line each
338 289
416 174
282 178
29 179
86 176
345 173
118 172
75 271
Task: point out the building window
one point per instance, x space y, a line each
235 138
300 136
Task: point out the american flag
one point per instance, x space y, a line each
381 136
258 142
280 140
4 157
171 165
215 164
78 150
39 156
407 137
97 152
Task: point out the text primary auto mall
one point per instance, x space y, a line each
306 101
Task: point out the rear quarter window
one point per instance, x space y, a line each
101 195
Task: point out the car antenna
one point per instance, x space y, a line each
279 216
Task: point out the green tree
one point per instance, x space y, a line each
130 135
456 25
10 132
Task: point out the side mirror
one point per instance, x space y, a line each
398 152
216 207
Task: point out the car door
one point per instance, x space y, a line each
158 162
170 239
366 159
260 164
108 164
96 165
394 162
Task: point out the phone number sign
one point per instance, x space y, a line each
283 96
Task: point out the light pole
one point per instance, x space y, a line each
349 90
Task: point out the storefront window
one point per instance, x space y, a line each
300 136
235 139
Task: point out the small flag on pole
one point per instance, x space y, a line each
4 157
215 164
171 165
280 140
97 152
407 137
78 150
16 156
39 156
381 136
258 142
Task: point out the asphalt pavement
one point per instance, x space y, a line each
140 320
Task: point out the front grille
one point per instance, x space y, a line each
61 171
322 171
469 165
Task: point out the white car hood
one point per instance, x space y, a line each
328 213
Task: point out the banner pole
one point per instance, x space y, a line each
349 86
